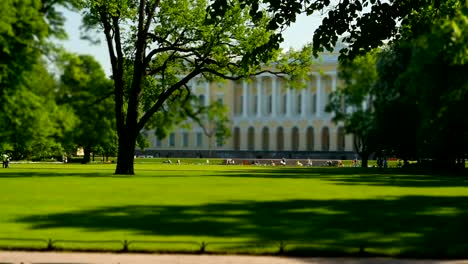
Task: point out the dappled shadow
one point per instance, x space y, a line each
426 226
357 176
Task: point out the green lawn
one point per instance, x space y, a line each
321 211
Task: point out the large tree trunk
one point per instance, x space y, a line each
364 158
125 155
87 155
364 161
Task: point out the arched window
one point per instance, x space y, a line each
236 138
265 139
172 140
251 138
310 138
325 139
280 139
295 139
340 139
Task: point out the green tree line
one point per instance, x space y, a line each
51 102
403 93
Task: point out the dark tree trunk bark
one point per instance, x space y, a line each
87 155
125 154
365 161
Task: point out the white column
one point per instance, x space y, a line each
333 78
244 98
273 96
288 102
259 96
319 96
207 93
304 94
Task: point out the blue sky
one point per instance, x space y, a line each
296 36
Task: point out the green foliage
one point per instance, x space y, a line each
352 102
436 79
363 24
85 89
32 124
158 47
22 29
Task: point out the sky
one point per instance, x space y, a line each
299 34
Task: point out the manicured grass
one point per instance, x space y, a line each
321 211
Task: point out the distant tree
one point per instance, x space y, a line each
423 88
30 122
214 124
85 88
33 125
353 102
157 47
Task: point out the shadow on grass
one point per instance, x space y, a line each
358 176
339 176
411 226
94 173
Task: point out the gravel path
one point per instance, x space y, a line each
20 257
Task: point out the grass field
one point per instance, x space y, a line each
314 211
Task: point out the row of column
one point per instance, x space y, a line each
291 139
289 99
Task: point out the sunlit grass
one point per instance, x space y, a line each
233 209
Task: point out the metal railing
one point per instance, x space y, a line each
276 247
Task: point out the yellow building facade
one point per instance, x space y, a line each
267 116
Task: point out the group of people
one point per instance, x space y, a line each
6 161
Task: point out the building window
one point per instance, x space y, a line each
314 104
255 104
265 139
199 139
241 105
185 139
270 104
158 142
299 104
340 144
172 140
295 139
285 104
325 139
310 139
251 138
280 139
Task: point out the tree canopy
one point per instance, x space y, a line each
363 25
34 122
87 91
419 96
157 47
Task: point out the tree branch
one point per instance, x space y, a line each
163 97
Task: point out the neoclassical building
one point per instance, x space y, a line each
266 116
